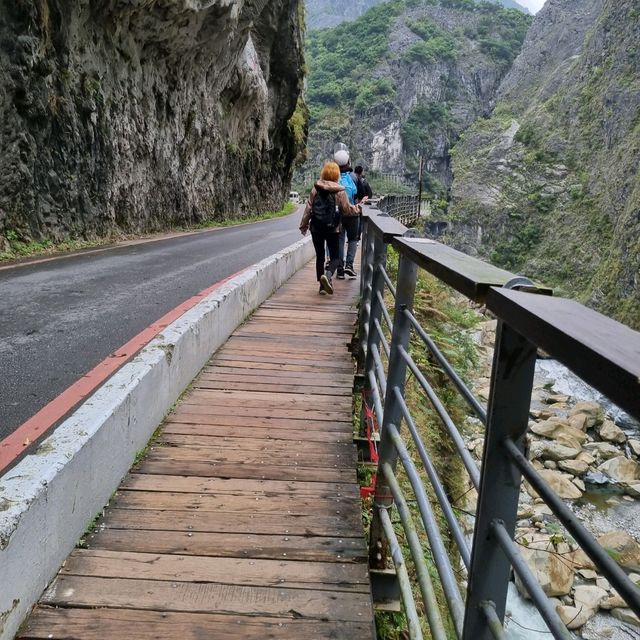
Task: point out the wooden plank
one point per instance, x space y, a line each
272 387
270 413
266 433
214 455
158 595
119 624
259 444
253 471
234 545
257 348
309 332
602 351
283 398
279 364
186 417
305 337
329 365
276 376
385 225
288 574
254 503
327 345
229 522
234 486
468 275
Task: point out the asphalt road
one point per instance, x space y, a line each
60 318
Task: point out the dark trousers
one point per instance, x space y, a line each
350 231
319 238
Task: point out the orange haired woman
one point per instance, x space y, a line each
326 205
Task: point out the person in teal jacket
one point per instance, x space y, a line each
350 224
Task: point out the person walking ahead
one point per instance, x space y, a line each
323 212
350 223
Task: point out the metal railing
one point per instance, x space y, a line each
405 209
601 351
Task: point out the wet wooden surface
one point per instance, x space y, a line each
243 519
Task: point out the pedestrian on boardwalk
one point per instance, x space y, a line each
362 184
326 207
350 223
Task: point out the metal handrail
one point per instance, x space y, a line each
445 505
505 419
465 392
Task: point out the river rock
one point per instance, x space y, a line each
552 450
603 583
589 596
574 617
609 431
560 483
614 601
626 615
621 469
602 450
550 464
557 399
631 490
580 560
552 571
574 467
579 484
588 574
634 445
622 548
586 457
591 410
579 421
554 428
540 414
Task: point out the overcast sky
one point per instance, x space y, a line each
533 5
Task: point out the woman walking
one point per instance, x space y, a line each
325 207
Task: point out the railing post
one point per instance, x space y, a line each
366 291
375 283
405 290
508 414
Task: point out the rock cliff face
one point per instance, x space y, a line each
322 14
549 185
134 116
408 77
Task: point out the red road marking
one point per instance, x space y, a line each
35 427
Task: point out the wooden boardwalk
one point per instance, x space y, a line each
243 520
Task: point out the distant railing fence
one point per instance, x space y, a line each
600 350
405 209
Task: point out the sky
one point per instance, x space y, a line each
533 5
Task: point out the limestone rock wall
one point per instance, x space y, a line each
129 117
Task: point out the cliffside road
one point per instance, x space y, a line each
60 318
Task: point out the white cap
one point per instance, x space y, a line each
341 157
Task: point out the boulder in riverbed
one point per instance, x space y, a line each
622 548
621 469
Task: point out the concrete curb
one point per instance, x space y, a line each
49 498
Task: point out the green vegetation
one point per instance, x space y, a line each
299 126
436 43
425 119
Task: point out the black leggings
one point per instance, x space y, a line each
331 238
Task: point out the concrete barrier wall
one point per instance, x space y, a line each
49 498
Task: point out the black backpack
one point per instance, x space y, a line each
325 215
